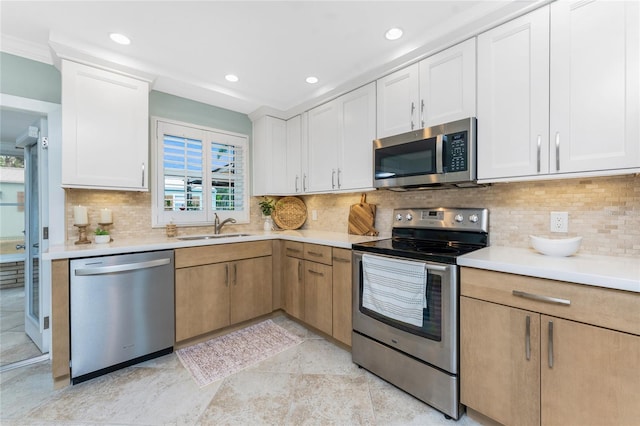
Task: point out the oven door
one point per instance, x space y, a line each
436 340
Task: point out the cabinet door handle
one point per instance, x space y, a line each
304 182
540 298
422 112
314 253
557 151
299 271
297 179
333 179
234 281
338 259
550 352
339 184
413 108
226 275
142 174
527 338
539 148
315 272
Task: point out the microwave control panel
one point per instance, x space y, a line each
455 152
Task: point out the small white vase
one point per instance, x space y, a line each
102 239
268 224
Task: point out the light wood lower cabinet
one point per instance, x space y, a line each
318 294
318 287
522 363
294 286
342 295
215 295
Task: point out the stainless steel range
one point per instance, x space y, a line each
406 298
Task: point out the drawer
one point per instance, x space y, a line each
603 307
294 249
318 253
204 255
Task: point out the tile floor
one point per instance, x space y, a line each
15 345
314 383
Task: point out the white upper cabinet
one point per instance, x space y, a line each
269 156
398 102
595 114
561 98
105 129
439 89
323 135
448 85
339 142
513 98
295 177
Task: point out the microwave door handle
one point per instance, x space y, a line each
439 139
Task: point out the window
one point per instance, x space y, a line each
199 172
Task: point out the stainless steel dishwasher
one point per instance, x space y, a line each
122 311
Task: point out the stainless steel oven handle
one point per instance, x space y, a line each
540 298
439 139
436 268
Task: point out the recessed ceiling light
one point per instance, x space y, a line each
231 77
120 38
393 34
312 80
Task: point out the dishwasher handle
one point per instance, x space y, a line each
100 270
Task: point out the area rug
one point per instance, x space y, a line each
222 356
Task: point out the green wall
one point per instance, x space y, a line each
29 79
172 107
35 80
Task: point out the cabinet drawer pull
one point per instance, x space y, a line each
315 272
338 259
315 253
550 352
293 250
540 298
527 338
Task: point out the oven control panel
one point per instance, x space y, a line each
475 219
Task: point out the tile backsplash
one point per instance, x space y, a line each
605 211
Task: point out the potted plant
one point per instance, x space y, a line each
102 236
267 206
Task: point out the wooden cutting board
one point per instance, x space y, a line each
362 217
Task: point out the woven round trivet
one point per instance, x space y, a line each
290 213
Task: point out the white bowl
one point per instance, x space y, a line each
556 247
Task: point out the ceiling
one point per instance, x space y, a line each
187 47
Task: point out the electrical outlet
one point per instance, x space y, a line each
559 222
314 214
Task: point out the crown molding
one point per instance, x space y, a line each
26 49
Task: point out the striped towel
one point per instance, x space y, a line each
394 288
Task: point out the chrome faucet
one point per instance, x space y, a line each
217 225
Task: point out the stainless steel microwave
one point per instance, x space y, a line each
443 155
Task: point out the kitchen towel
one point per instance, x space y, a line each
394 288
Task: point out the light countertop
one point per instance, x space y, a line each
132 245
620 273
